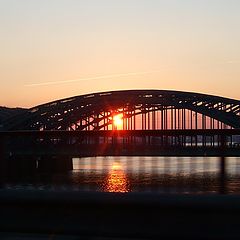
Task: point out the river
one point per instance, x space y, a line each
197 175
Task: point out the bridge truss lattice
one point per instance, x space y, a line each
138 110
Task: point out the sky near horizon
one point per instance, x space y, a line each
52 49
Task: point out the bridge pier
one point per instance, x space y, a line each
222 175
54 164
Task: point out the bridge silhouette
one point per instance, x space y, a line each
45 138
139 110
152 123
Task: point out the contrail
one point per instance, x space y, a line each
89 78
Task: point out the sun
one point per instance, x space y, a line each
118 121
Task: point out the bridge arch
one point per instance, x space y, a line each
139 109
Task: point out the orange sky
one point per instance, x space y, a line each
61 48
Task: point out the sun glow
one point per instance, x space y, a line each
116 166
118 121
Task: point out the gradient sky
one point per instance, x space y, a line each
51 49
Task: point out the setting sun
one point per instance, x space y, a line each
118 121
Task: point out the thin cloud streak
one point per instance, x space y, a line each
90 78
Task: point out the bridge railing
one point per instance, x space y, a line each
218 142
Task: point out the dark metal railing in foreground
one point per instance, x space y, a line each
78 215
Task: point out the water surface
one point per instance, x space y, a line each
126 174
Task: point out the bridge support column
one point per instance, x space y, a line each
223 165
54 164
222 175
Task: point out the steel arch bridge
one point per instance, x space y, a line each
136 109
